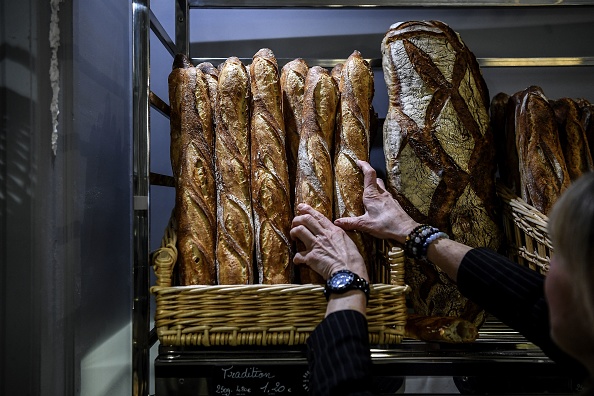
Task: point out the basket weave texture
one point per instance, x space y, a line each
525 229
286 314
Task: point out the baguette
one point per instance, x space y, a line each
195 193
235 234
542 165
270 179
336 73
180 103
292 83
211 76
572 137
314 167
353 144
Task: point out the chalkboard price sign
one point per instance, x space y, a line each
278 380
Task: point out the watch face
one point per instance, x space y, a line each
341 280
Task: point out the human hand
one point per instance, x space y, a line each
384 218
328 248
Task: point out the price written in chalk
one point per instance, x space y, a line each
250 381
274 389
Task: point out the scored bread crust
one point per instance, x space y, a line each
439 149
572 137
292 83
193 168
235 233
211 76
352 144
270 179
314 185
542 165
180 104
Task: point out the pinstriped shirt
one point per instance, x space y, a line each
338 349
514 294
339 357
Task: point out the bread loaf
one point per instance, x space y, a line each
292 83
211 76
270 179
180 104
336 73
441 329
353 144
572 137
195 193
314 167
587 117
439 150
542 165
235 233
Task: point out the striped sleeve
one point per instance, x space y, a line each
515 295
339 357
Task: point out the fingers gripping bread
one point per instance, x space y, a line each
314 168
352 144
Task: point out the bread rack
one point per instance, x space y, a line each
144 22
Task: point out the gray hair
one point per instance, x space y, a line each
571 228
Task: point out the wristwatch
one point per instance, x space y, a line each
343 281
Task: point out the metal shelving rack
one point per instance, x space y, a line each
143 22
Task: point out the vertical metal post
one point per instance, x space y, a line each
141 140
182 26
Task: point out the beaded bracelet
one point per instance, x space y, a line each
419 239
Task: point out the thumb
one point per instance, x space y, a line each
348 223
381 185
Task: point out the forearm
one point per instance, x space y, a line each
352 300
444 253
447 255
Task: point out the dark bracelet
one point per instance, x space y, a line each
418 241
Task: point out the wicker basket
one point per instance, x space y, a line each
526 232
266 315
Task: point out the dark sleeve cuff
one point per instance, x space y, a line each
338 355
515 295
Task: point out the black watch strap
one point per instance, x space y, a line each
345 280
